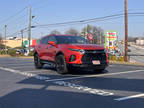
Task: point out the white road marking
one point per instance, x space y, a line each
25 73
84 88
130 97
65 84
17 67
37 71
90 76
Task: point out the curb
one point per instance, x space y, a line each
27 57
127 63
5 56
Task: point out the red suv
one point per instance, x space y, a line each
68 52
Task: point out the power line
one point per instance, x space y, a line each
18 32
19 18
79 22
115 16
12 16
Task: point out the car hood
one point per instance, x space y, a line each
86 46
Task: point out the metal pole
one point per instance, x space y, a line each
22 37
126 32
5 37
29 28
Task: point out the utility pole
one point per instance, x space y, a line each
5 27
29 29
126 32
22 37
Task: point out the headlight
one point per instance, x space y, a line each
78 50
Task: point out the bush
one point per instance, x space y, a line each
12 52
31 54
112 57
121 58
3 52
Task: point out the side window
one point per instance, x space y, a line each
44 40
52 38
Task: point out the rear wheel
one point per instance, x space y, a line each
61 65
37 63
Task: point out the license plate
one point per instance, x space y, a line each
96 62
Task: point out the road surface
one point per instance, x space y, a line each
23 86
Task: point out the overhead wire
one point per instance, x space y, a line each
109 17
14 15
89 20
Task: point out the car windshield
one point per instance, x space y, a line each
71 40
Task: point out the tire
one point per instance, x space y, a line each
37 63
61 65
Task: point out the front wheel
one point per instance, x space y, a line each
37 63
61 65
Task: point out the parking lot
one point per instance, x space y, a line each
23 86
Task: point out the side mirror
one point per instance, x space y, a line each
51 43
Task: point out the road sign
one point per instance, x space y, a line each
90 36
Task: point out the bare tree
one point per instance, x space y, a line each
73 32
55 32
97 33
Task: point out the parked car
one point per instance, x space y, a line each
68 52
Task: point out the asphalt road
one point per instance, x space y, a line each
23 86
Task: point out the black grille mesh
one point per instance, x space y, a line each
91 55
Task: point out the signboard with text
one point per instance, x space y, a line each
110 39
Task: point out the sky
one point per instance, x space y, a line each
15 14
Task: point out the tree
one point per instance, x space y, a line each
55 32
97 33
73 32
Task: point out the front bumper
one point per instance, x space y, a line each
89 66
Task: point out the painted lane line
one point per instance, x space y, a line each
25 73
17 67
130 97
37 71
5 63
62 83
90 76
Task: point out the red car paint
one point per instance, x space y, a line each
49 50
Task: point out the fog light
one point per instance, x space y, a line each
72 58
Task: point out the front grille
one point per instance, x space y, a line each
91 55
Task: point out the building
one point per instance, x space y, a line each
140 41
18 42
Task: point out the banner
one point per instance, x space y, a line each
110 39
